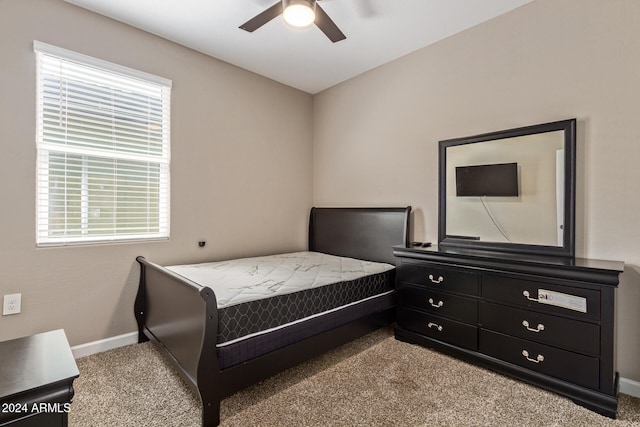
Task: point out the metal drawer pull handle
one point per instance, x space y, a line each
539 328
538 359
438 305
440 279
434 325
528 296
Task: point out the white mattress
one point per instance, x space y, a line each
250 279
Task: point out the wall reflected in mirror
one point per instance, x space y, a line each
534 216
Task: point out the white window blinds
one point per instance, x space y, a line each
102 150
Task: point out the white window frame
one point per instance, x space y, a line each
161 159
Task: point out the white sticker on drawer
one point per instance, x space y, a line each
571 302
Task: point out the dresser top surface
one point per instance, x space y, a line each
511 258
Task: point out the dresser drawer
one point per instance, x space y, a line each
530 294
440 328
557 331
442 304
440 278
565 365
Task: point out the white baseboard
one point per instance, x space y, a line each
104 345
630 387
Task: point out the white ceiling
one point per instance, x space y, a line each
378 31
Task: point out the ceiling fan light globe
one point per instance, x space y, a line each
299 13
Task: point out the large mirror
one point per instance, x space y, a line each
510 191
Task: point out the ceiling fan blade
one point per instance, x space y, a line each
262 18
327 26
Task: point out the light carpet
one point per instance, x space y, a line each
373 381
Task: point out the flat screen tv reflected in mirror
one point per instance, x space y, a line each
496 180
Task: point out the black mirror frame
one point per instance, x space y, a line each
568 247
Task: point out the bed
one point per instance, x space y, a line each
227 325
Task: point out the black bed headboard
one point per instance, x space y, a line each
363 233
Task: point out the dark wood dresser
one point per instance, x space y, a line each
548 321
36 380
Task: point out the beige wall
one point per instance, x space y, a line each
376 136
239 179
374 143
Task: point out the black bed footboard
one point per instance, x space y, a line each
181 318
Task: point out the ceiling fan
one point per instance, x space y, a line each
299 13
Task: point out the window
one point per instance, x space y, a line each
102 151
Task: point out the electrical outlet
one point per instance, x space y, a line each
12 304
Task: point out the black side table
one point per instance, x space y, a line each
36 380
